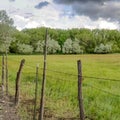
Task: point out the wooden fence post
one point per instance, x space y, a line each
36 91
3 73
6 69
82 117
17 89
41 113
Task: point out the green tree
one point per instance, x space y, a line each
5 31
5 19
18 37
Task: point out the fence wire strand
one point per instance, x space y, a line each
55 71
115 80
101 90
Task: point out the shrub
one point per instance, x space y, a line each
25 49
76 47
52 46
40 47
72 46
67 47
103 48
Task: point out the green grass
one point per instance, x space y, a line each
61 89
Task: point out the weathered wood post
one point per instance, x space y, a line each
82 117
3 73
17 88
6 69
36 92
41 113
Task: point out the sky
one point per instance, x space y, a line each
63 14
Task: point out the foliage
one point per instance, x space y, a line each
4 18
67 47
103 48
2 48
88 39
24 49
52 46
76 48
72 46
18 38
39 47
6 30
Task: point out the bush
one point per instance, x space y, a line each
103 48
40 47
24 49
52 46
67 47
115 48
72 46
76 47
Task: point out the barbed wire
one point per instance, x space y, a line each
106 79
75 75
60 79
101 90
117 80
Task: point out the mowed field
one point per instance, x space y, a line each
101 85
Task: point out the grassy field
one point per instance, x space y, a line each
101 97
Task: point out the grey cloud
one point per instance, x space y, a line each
107 9
28 15
79 1
41 5
12 0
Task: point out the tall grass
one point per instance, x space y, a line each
61 85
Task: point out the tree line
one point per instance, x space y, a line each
70 41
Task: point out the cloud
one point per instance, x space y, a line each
79 1
28 15
32 24
11 0
64 14
107 9
103 24
41 5
20 18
